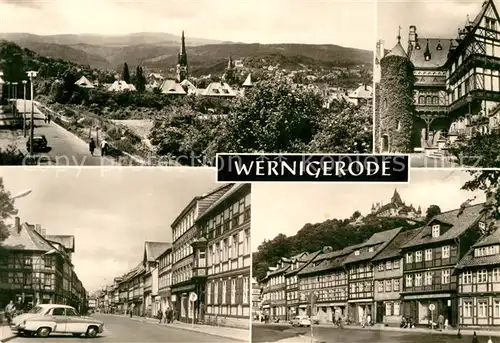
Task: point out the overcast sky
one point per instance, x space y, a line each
255 21
286 208
433 18
111 212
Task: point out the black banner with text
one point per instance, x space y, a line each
312 168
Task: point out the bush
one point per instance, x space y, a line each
11 155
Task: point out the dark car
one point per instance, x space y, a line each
39 143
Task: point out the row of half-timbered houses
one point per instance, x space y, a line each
452 263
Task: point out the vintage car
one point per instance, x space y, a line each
39 143
301 321
45 319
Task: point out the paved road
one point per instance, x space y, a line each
422 161
119 329
273 333
66 149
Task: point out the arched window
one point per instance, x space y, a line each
428 100
421 99
435 100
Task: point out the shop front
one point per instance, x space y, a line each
330 312
360 311
423 309
181 303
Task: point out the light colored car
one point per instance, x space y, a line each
46 319
300 321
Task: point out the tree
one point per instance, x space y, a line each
432 211
7 211
140 79
126 73
480 151
487 181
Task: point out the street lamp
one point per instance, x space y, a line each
32 74
24 112
14 102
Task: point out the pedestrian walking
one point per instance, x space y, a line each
160 315
489 340
441 322
104 147
10 309
46 118
474 338
130 313
49 117
92 146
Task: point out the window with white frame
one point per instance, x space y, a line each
445 277
209 293
418 256
388 285
216 293
224 291
418 279
409 257
396 285
445 251
396 311
388 309
380 267
467 305
396 264
388 265
496 308
380 286
428 278
482 276
482 308
496 275
435 231
467 277
428 254
409 281
233 291
245 290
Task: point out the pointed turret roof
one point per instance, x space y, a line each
398 50
230 63
396 198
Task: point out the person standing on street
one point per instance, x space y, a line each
49 117
104 147
474 338
441 322
10 309
92 146
167 320
160 315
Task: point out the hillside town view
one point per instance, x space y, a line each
185 274
159 98
407 269
438 90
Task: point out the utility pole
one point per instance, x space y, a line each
14 103
24 112
32 75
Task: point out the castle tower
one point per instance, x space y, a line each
396 198
229 77
395 107
182 63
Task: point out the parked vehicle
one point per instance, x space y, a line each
300 321
46 319
315 320
39 143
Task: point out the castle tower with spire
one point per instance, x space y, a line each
182 62
395 112
229 75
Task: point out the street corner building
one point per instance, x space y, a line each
36 268
448 267
203 276
439 92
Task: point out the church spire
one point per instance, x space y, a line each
182 63
396 198
183 44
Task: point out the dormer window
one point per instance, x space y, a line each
370 249
439 47
417 46
356 253
482 226
427 57
436 231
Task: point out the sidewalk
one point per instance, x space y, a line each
222 331
5 333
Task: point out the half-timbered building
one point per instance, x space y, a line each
327 278
360 273
456 81
388 278
225 230
479 283
429 264
152 250
185 233
274 290
297 263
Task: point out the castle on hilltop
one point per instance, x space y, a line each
439 90
396 208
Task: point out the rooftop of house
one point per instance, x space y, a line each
393 249
469 260
457 224
372 246
153 250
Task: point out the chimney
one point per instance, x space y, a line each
43 232
412 36
38 229
17 224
